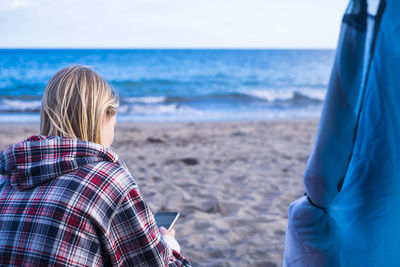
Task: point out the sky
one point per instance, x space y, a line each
170 23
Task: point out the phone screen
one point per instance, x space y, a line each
166 219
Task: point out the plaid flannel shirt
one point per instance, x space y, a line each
67 202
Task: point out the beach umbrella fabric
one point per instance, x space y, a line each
350 214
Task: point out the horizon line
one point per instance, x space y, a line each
167 48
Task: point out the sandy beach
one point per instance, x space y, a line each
232 182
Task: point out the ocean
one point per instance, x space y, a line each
177 85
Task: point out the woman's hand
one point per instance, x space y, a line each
164 231
169 238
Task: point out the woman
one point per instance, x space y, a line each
65 196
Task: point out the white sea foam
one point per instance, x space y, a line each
145 100
171 109
19 105
288 94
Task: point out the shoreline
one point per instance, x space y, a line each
127 123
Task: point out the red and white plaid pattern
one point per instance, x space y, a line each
67 202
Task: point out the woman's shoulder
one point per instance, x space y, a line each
96 190
100 185
106 176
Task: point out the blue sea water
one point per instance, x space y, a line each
177 85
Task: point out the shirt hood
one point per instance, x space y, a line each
39 159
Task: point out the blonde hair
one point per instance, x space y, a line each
74 102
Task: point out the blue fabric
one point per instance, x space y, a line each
357 222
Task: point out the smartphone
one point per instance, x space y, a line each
166 219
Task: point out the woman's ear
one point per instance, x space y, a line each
107 130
